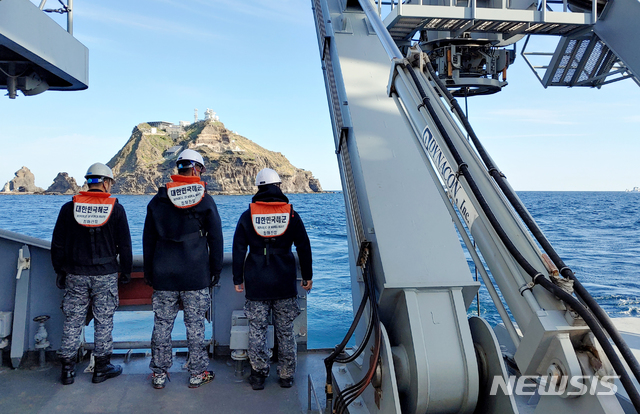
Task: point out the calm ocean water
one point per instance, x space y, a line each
596 233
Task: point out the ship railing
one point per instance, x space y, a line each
34 293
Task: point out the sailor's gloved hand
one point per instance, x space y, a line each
215 279
125 278
61 280
147 280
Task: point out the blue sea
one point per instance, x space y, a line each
596 233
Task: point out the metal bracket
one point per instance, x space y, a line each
20 329
23 263
344 134
326 44
363 255
394 72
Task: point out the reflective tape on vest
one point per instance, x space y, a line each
92 209
270 219
185 195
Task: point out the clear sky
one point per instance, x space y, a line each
256 64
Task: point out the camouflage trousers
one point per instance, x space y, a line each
284 313
101 292
165 307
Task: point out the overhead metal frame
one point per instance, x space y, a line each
403 22
50 51
582 60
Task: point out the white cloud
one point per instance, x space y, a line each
148 22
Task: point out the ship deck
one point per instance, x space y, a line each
32 389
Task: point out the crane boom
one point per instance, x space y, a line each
408 170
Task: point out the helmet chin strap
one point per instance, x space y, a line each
106 185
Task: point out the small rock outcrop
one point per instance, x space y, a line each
63 184
23 182
232 161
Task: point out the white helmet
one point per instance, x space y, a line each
192 156
267 176
97 173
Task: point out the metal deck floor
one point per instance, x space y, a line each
38 390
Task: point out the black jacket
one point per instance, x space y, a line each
182 247
276 280
80 250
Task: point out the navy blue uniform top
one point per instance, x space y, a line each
91 251
182 247
277 279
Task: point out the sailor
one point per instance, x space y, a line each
182 244
90 234
268 274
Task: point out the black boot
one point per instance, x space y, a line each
104 369
256 380
68 370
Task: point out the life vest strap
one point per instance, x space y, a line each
267 250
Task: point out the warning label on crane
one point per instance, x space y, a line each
448 175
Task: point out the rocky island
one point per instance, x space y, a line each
63 184
148 159
23 182
232 161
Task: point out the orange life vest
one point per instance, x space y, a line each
92 208
184 191
270 219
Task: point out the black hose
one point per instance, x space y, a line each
464 171
599 334
340 347
526 266
372 367
360 348
328 361
603 318
516 203
350 394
